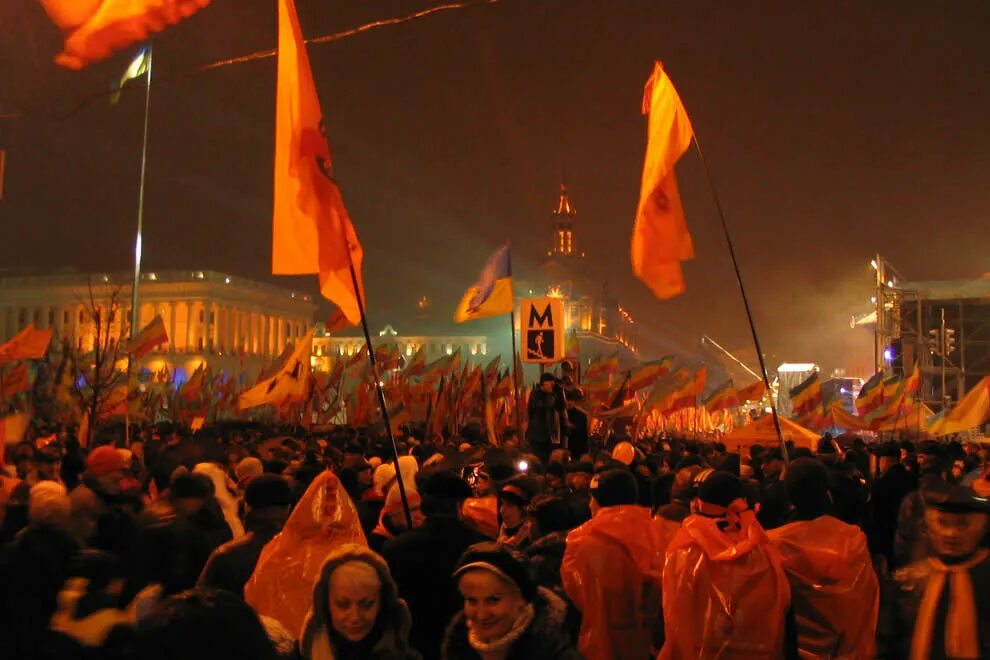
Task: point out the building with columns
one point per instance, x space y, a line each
233 324
435 342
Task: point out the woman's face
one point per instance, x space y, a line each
491 605
354 606
512 515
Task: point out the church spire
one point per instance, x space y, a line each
563 225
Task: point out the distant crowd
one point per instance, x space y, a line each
247 541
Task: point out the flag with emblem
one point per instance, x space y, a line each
312 231
291 383
660 240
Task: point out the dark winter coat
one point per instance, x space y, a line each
901 599
545 555
885 502
545 639
231 565
422 561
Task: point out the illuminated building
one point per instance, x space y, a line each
602 324
435 343
230 323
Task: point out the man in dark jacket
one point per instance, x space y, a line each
939 606
268 500
887 491
422 560
547 414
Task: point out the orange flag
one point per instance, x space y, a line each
312 232
14 381
29 344
95 29
151 337
660 240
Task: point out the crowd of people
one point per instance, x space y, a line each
258 542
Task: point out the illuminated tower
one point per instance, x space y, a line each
563 227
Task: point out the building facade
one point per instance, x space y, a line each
230 323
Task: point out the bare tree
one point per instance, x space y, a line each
98 367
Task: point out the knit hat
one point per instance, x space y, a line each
614 488
48 502
552 514
584 467
393 501
518 490
383 474
248 469
104 460
268 490
556 469
718 487
499 559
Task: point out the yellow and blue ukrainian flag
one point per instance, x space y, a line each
492 293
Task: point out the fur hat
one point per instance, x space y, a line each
268 490
718 487
614 487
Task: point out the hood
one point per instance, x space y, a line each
289 566
822 552
394 618
717 544
631 527
228 503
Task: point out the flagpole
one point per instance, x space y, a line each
745 298
135 316
378 386
515 372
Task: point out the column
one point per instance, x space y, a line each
171 326
187 344
235 328
206 330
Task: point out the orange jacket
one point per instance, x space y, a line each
281 586
612 570
725 595
835 591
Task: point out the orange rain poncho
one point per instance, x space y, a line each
612 571
282 584
481 515
835 592
725 595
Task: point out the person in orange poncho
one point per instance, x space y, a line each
612 570
724 588
835 591
282 584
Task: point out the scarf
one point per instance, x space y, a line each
961 637
497 649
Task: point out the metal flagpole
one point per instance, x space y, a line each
515 370
745 298
135 316
378 387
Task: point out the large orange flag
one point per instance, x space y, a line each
95 29
660 240
28 344
312 232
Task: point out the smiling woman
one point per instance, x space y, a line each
505 615
356 610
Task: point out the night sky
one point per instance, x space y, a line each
832 129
